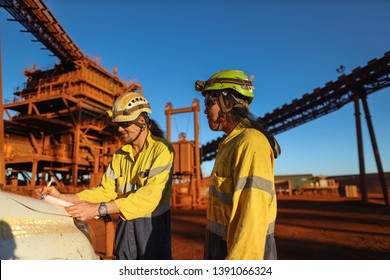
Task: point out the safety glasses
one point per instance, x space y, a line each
209 102
210 99
123 124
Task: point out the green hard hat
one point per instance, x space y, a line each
233 79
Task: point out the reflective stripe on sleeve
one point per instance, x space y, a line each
110 173
158 170
256 182
244 183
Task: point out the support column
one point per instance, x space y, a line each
168 108
76 150
363 188
34 173
196 109
376 150
2 143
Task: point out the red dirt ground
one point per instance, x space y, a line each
308 227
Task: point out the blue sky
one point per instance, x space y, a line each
291 47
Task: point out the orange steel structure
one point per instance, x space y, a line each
60 130
57 129
188 186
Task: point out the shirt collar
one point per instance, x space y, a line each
240 127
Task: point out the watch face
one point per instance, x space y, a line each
103 209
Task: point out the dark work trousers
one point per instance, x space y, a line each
216 248
144 238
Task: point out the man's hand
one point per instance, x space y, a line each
38 192
83 210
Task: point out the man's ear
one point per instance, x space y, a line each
143 120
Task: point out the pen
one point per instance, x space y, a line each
44 195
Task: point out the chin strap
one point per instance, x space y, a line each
227 107
142 126
221 119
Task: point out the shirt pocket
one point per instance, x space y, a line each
223 184
141 181
222 204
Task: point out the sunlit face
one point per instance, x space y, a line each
128 132
212 111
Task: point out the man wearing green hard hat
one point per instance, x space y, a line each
241 210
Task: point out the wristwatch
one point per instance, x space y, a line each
103 209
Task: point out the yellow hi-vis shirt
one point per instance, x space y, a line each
242 200
140 188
